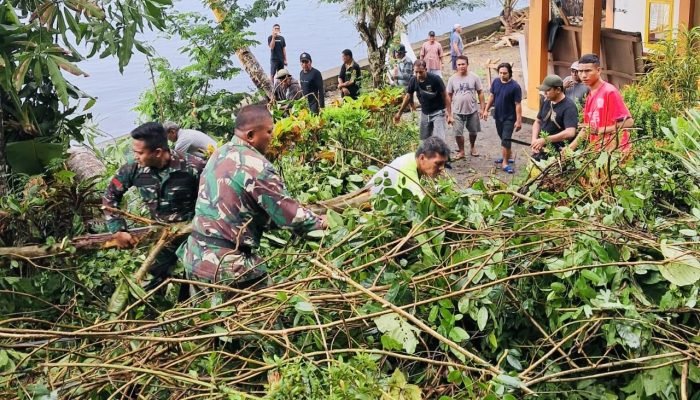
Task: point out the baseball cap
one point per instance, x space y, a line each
281 74
305 56
401 49
551 81
431 33
458 26
575 65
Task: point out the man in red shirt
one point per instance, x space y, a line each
605 116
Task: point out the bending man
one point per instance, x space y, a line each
240 197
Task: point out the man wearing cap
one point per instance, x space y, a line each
557 119
403 70
278 51
436 111
431 53
456 45
311 83
286 87
574 88
189 140
349 76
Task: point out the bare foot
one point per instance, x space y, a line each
458 156
474 153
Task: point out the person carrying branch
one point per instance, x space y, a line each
167 182
241 196
557 119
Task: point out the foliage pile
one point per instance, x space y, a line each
587 290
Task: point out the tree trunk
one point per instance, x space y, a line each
250 63
88 242
85 164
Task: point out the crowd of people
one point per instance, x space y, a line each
233 194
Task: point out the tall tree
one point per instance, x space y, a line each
376 20
507 15
240 19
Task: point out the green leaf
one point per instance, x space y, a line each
514 362
657 380
20 72
67 65
58 81
119 298
4 359
688 232
458 334
510 381
304 306
482 317
681 268
399 329
334 219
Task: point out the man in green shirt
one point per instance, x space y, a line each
405 172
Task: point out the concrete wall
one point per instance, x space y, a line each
469 34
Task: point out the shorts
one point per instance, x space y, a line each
469 121
275 65
505 132
434 124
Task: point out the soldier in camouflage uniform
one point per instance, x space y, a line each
167 182
240 195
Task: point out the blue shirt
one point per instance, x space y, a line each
505 96
456 38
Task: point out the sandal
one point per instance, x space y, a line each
508 169
500 161
458 157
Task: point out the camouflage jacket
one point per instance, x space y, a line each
240 196
169 193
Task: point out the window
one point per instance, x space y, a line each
659 20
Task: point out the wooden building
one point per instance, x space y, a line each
630 27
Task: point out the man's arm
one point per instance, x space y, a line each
448 105
271 41
118 185
518 116
404 103
536 127
285 212
318 80
284 54
422 52
455 47
482 101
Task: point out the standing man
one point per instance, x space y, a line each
190 141
557 119
311 84
506 96
349 77
241 195
456 45
286 87
574 88
431 53
167 182
432 97
605 115
403 70
463 89
278 51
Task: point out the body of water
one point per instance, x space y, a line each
320 29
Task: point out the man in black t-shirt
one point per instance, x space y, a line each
278 51
432 97
311 83
349 77
557 119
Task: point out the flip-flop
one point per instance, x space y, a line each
475 155
508 169
500 161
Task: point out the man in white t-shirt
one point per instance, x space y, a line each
189 140
463 89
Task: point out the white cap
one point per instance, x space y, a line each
458 26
